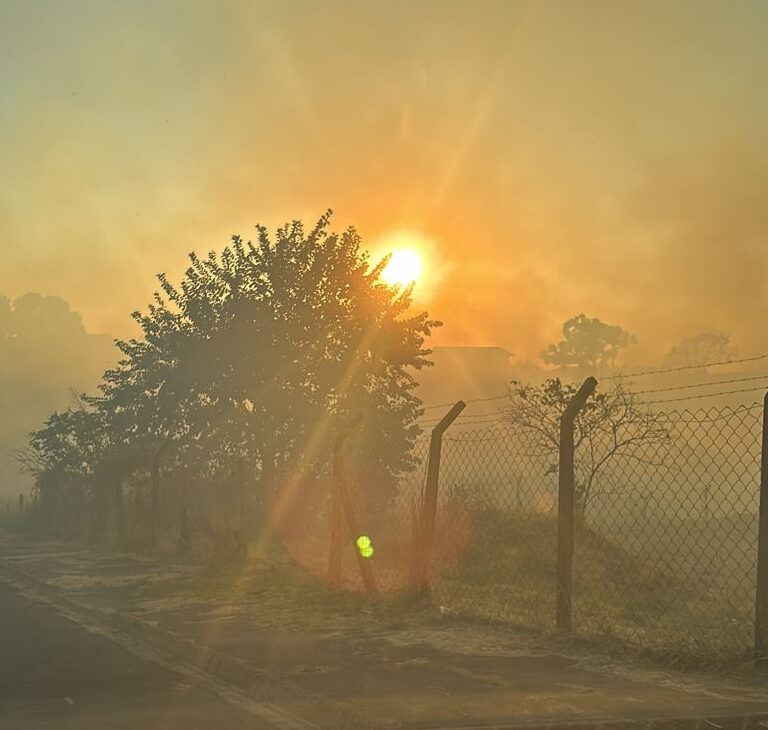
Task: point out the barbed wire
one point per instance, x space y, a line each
673 415
701 385
705 395
485 419
472 400
498 416
477 418
618 376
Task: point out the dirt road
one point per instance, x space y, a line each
55 674
159 644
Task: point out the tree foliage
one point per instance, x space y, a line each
261 356
588 345
701 349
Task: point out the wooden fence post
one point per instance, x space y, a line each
761 588
566 504
425 520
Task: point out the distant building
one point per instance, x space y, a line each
465 373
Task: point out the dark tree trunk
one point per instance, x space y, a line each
272 509
155 498
183 520
101 508
336 518
242 517
119 509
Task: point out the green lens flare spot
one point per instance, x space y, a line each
364 546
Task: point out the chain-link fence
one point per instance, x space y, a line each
666 554
665 538
499 496
666 529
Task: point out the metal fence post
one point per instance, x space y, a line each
566 503
425 521
761 588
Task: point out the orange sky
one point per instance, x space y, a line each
604 157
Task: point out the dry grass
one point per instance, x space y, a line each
507 574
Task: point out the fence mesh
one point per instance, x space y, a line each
666 529
498 496
666 539
666 555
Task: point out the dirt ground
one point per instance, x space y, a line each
336 660
56 675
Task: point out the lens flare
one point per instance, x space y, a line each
364 546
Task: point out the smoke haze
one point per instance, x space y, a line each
563 157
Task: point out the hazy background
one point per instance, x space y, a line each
605 157
46 359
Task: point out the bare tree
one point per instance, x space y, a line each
612 422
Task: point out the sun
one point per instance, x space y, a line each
403 268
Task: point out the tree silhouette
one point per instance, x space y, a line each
587 345
704 348
253 365
45 354
66 457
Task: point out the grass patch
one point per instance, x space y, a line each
508 572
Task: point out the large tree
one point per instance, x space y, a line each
588 345
263 354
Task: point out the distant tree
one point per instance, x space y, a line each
6 316
65 457
587 345
612 422
46 354
704 348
